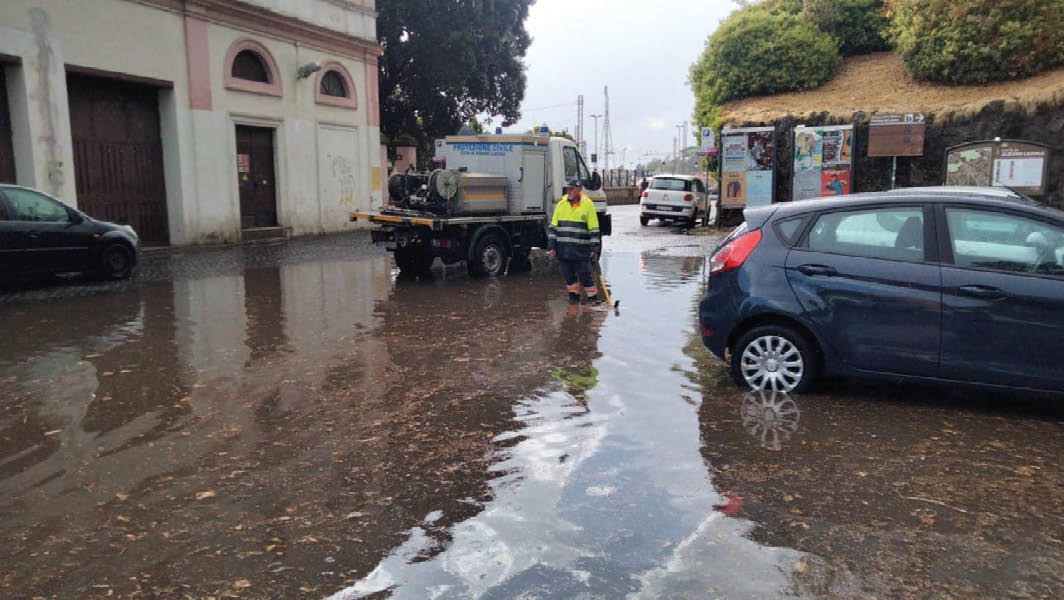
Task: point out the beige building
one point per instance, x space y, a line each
196 121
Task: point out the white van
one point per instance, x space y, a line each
682 198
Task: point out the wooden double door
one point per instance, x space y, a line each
118 153
255 176
7 149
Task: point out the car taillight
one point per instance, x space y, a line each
734 253
646 194
688 197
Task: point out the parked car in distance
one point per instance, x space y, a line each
39 234
675 198
950 284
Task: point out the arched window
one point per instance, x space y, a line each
249 67
335 86
332 84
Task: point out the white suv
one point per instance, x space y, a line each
675 198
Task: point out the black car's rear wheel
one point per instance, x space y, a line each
116 262
774 358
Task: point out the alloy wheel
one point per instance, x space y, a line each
772 363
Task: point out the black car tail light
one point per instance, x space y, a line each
732 255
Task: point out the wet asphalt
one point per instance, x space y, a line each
295 421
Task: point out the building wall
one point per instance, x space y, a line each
326 158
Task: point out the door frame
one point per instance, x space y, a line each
279 161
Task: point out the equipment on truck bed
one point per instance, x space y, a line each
449 193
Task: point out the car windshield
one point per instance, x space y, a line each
671 184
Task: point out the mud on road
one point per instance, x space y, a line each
296 421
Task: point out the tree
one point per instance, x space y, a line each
446 61
760 49
858 26
976 41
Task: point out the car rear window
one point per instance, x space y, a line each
671 184
788 229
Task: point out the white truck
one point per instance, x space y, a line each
489 204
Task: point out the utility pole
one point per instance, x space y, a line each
580 121
674 154
607 138
594 151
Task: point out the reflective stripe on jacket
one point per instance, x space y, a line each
574 230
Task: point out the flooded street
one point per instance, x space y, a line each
296 422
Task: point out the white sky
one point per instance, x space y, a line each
641 49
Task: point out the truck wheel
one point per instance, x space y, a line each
414 260
644 220
490 257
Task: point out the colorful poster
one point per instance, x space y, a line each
735 153
760 151
834 182
734 188
823 161
807 150
758 188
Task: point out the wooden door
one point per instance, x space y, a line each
7 149
118 154
255 176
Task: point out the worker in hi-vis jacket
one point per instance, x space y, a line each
573 238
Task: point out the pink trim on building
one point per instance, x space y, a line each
373 103
273 88
199 64
351 101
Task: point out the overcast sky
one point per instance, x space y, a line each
641 49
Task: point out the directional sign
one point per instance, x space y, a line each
896 134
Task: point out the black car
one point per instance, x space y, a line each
39 234
961 285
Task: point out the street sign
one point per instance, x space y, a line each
896 134
709 143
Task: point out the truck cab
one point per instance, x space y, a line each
566 164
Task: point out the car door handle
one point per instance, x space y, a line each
985 292
814 270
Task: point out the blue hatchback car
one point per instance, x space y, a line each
944 284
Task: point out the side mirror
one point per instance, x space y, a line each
595 183
75 217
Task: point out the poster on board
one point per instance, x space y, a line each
823 161
747 166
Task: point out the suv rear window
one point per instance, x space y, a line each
671 184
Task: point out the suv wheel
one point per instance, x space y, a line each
644 220
116 262
774 358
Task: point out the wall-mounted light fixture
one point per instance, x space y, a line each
308 69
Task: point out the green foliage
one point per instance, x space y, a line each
858 26
760 49
976 41
446 62
577 380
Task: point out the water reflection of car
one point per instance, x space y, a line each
39 234
674 198
939 284
770 417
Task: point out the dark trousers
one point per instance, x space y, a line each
577 270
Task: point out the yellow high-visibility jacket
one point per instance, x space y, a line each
574 230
